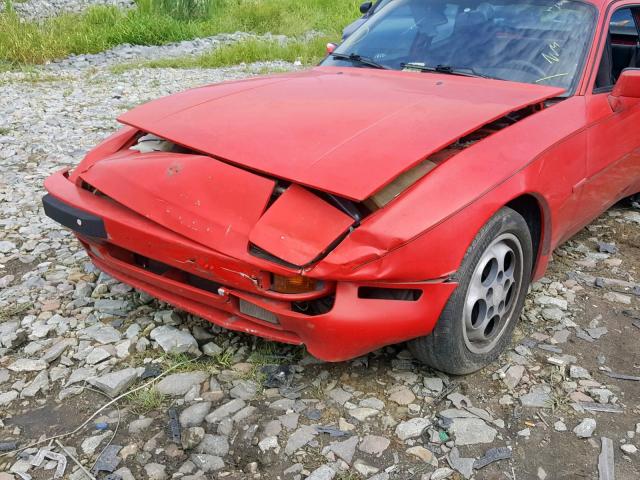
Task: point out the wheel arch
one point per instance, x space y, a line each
535 211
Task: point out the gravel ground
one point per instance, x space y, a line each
41 9
71 336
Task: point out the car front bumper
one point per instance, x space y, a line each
116 239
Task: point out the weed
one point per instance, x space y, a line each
224 359
4 131
144 401
186 363
348 476
179 9
14 310
102 27
247 52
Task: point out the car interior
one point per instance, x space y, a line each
622 49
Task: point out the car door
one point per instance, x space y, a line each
613 136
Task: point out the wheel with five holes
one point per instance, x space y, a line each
477 323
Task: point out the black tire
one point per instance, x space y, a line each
448 347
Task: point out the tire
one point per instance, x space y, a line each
467 336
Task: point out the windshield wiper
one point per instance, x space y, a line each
448 69
355 58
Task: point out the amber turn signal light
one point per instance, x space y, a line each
295 284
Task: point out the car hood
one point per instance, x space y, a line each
346 131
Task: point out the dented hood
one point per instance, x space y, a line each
346 131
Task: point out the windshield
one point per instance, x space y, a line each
530 41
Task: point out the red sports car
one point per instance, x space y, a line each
408 188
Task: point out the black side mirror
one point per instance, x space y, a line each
365 7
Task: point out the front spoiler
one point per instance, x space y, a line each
353 327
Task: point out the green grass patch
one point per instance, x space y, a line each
100 28
146 400
248 51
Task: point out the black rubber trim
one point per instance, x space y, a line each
73 218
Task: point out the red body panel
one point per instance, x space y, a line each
299 226
327 126
347 132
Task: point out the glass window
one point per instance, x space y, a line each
532 41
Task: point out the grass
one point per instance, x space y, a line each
248 51
145 400
13 311
103 27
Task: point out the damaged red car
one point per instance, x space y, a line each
409 188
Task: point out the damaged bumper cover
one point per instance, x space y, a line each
234 292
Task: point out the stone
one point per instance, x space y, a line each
140 425
39 384
402 396
155 471
441 474
345 449
179 384
225 410
340 396
191 437
7 397
268 443
80 375
27 365
212 350
324 472
115 383
362 413
423 454
471 431
365 469
560 426
372 402
195 414
463 465
629 449
299 439
412 428
244 390
57 349
538 397
547 301
585 428
513 376
576 371
217 445
174 341
616 297
6 246
90 444
207 463
103 334
434 384
97 355
374 445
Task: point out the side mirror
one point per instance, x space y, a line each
331 47
627 87
365 7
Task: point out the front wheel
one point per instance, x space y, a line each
477 323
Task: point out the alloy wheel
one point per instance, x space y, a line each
493 293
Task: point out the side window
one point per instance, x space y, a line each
621 50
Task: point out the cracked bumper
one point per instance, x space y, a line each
353 326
